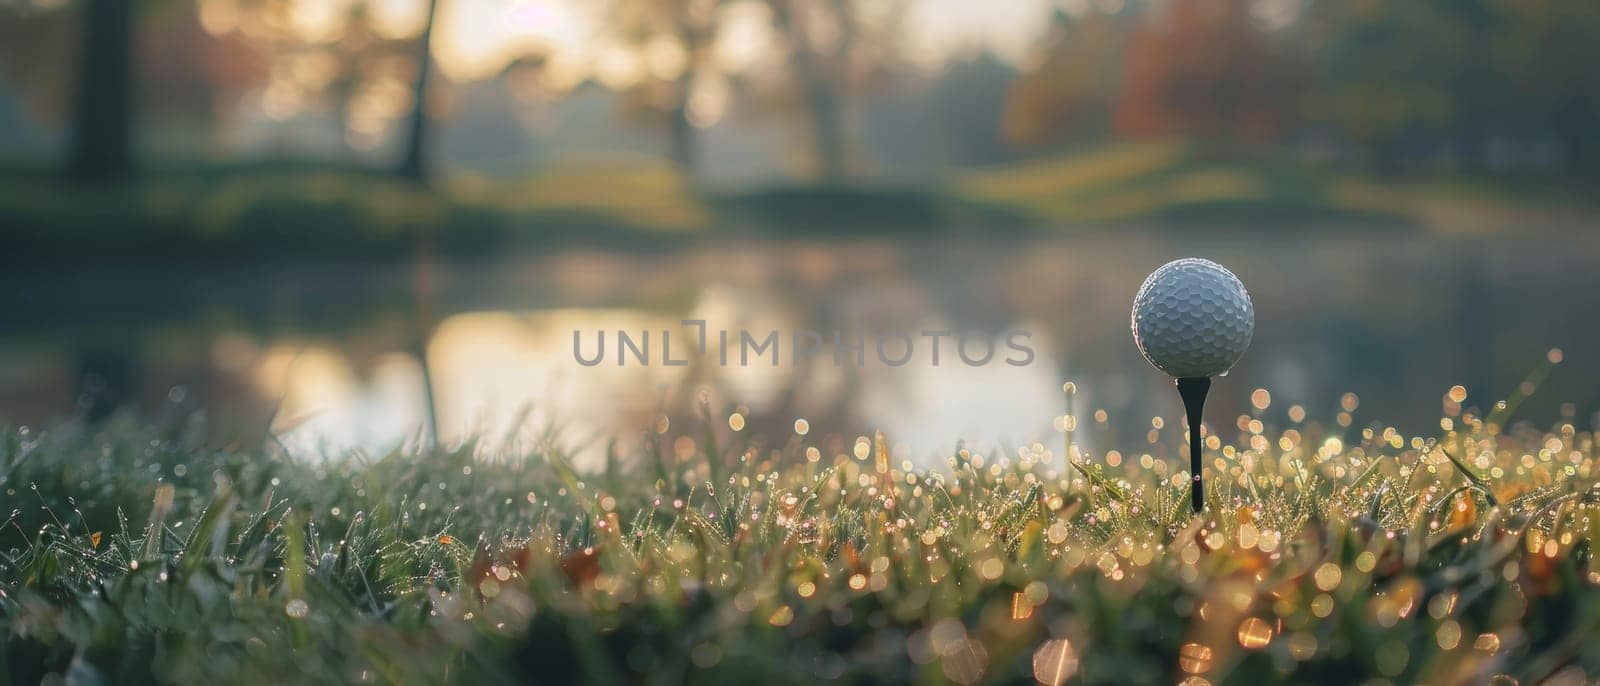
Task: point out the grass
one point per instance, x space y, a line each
136 552
273 210
1178 182
651 198
308 212
1169 181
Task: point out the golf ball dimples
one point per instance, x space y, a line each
1192 318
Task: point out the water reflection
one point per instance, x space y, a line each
510 377
323 407
330 357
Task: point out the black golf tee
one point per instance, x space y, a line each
1193 390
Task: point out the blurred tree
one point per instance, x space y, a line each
102 120
832 46
1384 73
414 162
1072 88
1545 52
492 122
189 80
967 105
36 49
359 76
928 122
1207 68
684 31
1478 89
179 76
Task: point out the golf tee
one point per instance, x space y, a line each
1193 391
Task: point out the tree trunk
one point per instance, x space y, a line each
823 116
1574 130
1475 86
102 124
685 149
414 165
827 129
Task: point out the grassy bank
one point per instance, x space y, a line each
277 211
1182 183
135 553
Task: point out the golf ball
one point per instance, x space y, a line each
1192 318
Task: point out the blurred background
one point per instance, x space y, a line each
352 224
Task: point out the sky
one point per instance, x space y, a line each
1006 27
477 37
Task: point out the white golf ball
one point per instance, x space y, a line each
1192 318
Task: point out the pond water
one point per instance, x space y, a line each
328 357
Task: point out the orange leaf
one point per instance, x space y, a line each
582 567
1464 511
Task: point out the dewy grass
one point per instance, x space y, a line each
132 553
